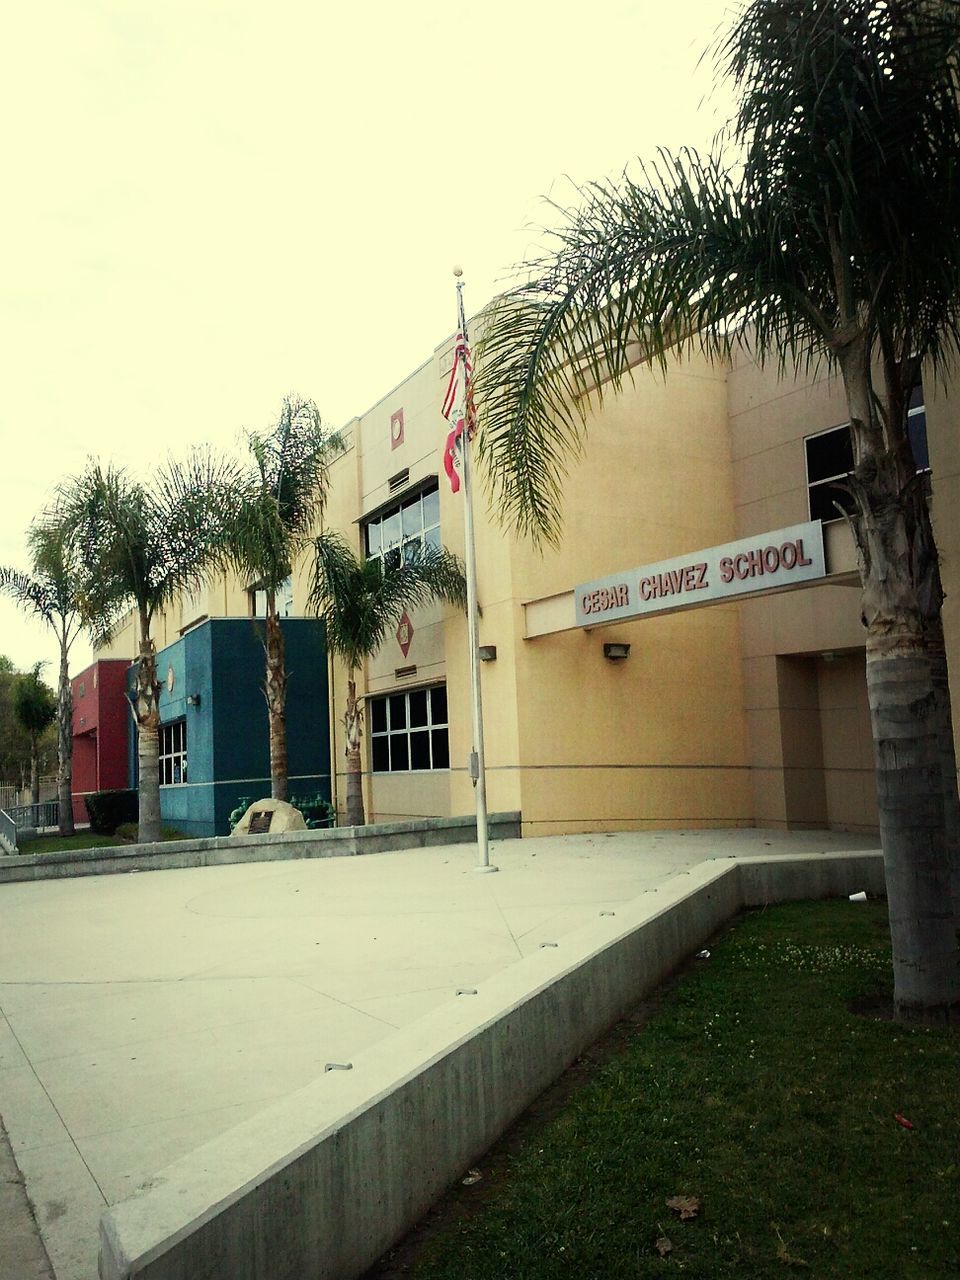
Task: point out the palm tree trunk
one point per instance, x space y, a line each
275 691
352 723
65 746
148 737
916 789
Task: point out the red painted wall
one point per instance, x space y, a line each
101 719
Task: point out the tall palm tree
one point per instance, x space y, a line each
141 546
35 706
360 601
282 498
52 593
834 238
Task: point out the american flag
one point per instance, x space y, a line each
458 408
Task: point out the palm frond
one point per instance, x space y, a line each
282 498
361 600
26 592
842 214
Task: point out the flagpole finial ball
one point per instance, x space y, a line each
458 272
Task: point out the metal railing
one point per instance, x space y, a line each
35 817
8 833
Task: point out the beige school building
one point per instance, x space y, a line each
691 654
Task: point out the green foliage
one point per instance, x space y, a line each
360 600
34 703
281 496
15 743
756 1089
836 220
142 545
109 810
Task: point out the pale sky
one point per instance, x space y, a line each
211 203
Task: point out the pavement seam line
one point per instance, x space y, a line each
56 1110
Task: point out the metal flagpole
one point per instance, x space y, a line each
476 761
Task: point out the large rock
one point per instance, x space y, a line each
269 817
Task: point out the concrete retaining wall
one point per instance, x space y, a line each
325 1181
214 851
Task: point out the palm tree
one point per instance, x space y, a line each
52 594
141 546
360 601
282 498
35 706
834 238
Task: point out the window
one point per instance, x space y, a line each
413 522
830 460
408 731
284 600
173 753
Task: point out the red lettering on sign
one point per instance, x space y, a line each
800 556
726 569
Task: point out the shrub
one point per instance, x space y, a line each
108 809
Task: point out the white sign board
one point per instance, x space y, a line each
767 562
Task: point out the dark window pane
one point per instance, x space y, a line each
378 715
391 558
438 704
418 707
398 711
431 508
432 537
410 548
381 755
399 752
917 435
420 750
830 454
441 749
824 500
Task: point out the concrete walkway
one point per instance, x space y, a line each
141 1015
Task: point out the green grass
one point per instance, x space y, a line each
89 840
755 1089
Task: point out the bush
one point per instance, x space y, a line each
107 810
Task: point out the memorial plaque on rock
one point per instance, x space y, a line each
260 821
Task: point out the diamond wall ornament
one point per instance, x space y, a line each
404 633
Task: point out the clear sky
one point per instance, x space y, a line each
211 203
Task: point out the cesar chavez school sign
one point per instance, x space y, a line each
770 561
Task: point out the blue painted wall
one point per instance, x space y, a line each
228 746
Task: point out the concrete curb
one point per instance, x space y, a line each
216 851
326 1180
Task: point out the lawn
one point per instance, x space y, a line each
808 1139
89 840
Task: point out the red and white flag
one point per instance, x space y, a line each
458 410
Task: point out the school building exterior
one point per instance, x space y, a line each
691 654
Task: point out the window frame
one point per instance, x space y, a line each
172 752
415 535
436 731
912 412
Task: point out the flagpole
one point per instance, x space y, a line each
476 763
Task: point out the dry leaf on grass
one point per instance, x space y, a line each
663 1246
686 1206
473 1175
